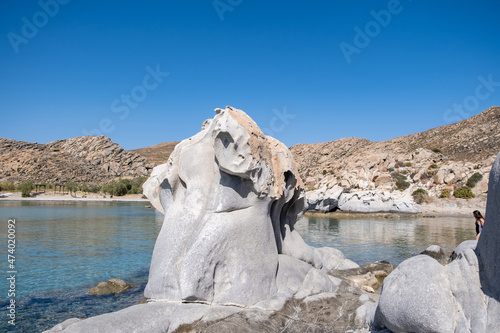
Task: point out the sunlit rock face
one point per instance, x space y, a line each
421 295
231 197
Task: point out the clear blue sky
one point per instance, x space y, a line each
304 71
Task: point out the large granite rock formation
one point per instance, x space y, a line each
421 295
228 253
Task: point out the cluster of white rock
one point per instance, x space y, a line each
333 171
371 201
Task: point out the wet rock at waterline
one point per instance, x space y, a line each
421 295
113 286
228 251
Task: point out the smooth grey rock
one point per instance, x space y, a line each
417 297
61 326
463 274
468 244
488 249
333 259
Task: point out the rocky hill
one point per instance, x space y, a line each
443 158
93 159
157 154
439 159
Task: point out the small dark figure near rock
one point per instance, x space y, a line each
479 222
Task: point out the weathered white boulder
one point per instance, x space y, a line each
420 295
372 201
376 201
230 196
415 302
324 200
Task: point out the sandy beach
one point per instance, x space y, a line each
51 196
438 207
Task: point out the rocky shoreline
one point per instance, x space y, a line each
228 256
16 196
446 207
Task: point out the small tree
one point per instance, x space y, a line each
71 187
26 188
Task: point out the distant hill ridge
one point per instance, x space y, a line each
437 159
473 140
157 154
97 159
91 159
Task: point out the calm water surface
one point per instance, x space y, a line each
64 248
371 239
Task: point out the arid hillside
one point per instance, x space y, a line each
443 158
90 159
157 154
435 160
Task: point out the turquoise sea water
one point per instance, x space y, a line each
64 248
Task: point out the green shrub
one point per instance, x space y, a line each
436 150
408 164
474 179
464 192
433 166
137 183
7 186
26 188
401 182
445 194
94 188
420 195
119 188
